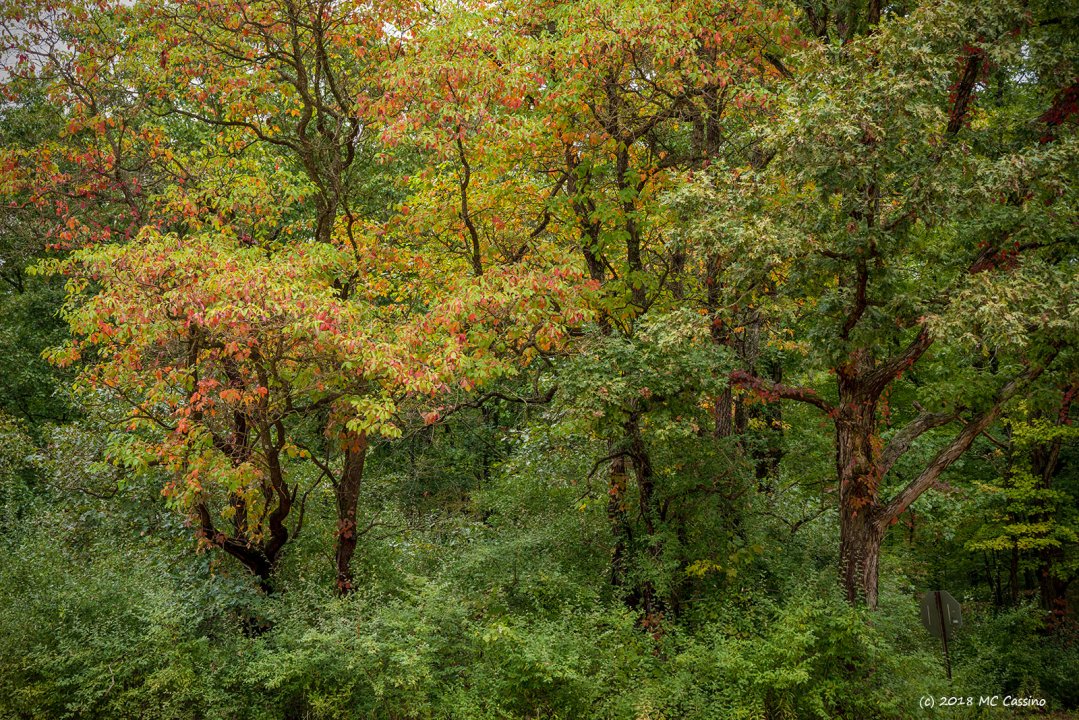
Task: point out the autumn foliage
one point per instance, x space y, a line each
687 282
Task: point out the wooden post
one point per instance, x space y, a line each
943 633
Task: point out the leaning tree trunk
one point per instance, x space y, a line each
347 494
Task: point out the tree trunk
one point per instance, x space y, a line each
861 531
616 514
990 571
347 494
251 555
651 604
1053 590
1013 574
860 538
723 414
767 456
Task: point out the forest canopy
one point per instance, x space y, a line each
537 358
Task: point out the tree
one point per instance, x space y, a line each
1030 507
633 95
206 174
912 244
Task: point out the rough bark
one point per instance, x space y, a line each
723 414
860 538
861 463
347 495
859 480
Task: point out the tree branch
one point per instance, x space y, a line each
903 439
960 443
964 91
776 391
890 369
